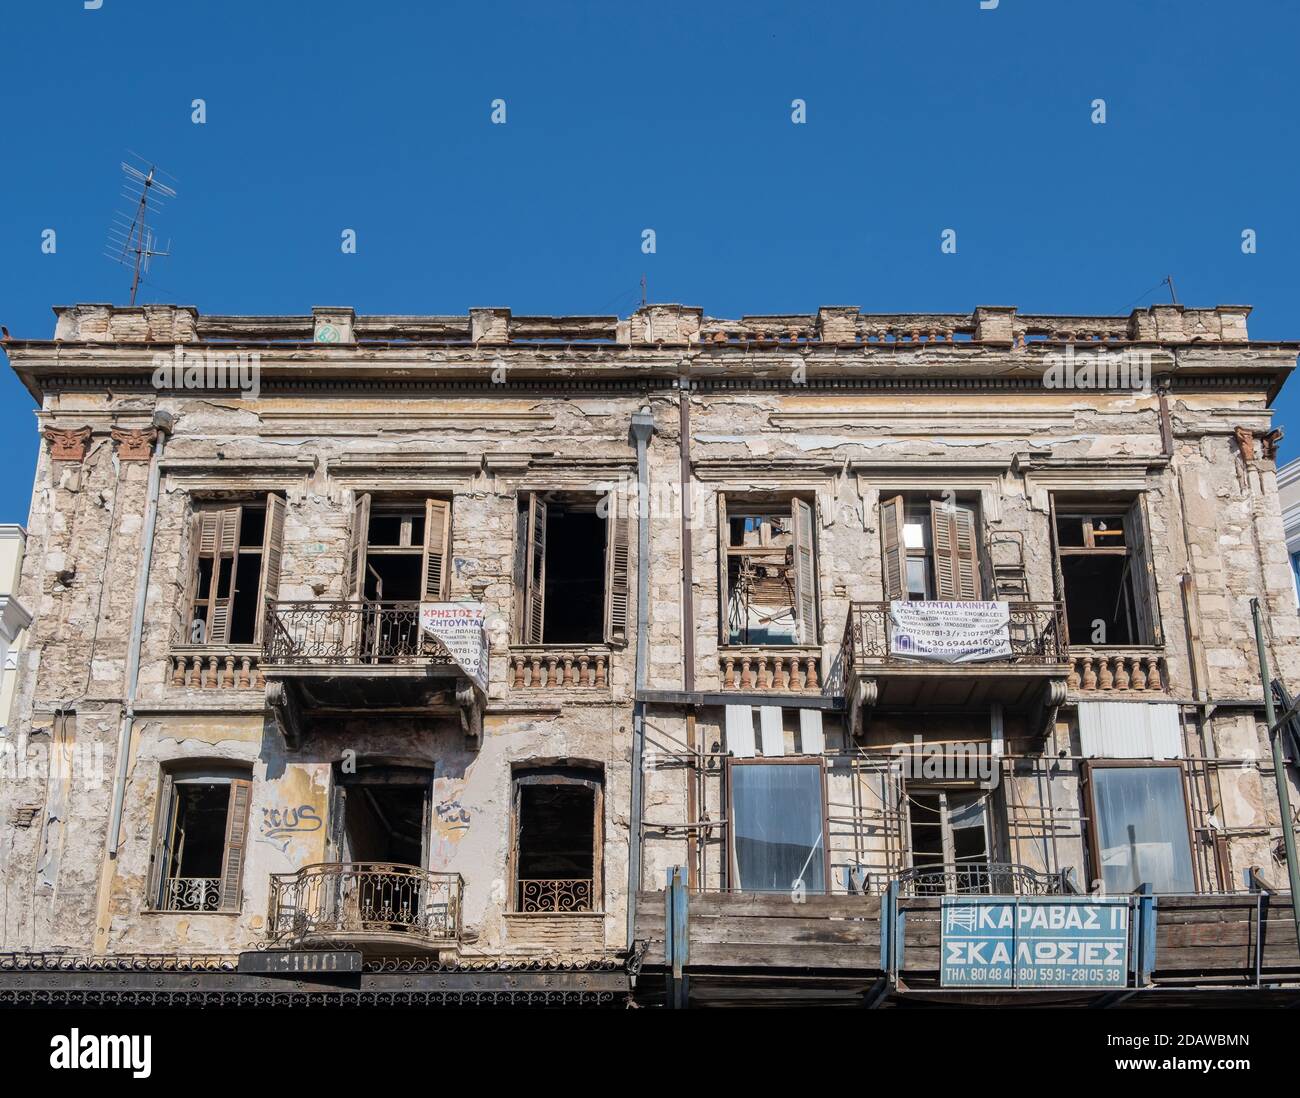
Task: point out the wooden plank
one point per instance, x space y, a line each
756 931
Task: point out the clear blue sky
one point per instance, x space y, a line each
921 116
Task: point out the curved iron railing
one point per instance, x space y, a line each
1035 633
335 899
558 895
990 878
192 894
347 633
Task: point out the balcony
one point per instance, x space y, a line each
980 878
879 673
778 668
349 657
380 905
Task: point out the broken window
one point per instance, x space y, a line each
951 841
779 813
380 814
558 836
199 843
1105 575
929 549
1139 827
236 551
767 572
571 571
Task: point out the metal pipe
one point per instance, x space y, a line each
1279 770
642 429
163 423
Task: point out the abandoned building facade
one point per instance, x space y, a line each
781 631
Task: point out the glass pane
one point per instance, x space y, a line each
1142 828
778 827
914 535
916 576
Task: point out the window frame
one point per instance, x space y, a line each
592 777
920 503
1094 837
237 831
733 861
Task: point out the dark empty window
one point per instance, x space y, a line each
199 845
950 840
1106 576
557 841
235 568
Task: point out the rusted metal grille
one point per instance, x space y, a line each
335 899
560 894
192 894
347 633
1036 635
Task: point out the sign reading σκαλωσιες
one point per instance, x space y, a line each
950 632
462 628
1061 942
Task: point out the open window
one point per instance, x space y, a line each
398 550
571 571
767 572
556 854
200 840
236 550
779 825
952 843
1105 574
930 549
1139 826
380 814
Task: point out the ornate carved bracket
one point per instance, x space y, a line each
470 703
68 444
284 704
134 445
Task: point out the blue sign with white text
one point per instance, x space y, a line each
1049 942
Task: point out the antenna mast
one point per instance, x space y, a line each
131 239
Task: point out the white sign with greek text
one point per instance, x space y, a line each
461 626
950 632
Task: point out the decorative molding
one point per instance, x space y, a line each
134 445
67 443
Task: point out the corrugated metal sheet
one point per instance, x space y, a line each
769 719
740 731
812 740
1130 730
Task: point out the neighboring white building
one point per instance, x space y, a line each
1288 490
14 618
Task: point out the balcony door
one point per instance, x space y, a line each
381 814
952 839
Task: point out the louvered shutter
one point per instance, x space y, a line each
956 563
1058 579
357 537
617 559
435 577
268 589
160 856
223 535
893 550
534 604
232 867
805 570
1143 569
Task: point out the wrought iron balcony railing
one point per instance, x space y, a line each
336 900
1035 635
192 894
973 878
359 632
559 895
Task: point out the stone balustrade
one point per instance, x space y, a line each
216 669
557 667
1124 670
781 669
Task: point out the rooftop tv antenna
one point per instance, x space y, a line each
131 239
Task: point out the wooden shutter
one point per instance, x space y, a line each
724 571
232 867
435 573
163 829
1142 568
617 559
357 538
956 562
805 570
534 604
222 535
893 550
1058 578
268 588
